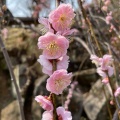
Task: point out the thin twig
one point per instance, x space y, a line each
13 79
91 31
83 44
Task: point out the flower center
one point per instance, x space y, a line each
59 84
62 18
52 47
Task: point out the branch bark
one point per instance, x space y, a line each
13 79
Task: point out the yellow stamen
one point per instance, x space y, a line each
52 47
58 84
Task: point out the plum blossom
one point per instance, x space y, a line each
106 61
5 33
101 72
104 8
46 23
103 66
69 96
63 114
117 92
47 115
108 18
67 32
107 2
47 65
54 46
96 60
58 81
61 18
105 80
44 102
62 63
104 73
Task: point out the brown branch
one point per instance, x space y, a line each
91 31
13 79
53 96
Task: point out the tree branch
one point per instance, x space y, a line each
13 79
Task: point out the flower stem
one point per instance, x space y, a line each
53 96
108 107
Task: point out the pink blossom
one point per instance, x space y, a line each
105 80
117 92
112 102
54 46
47 115
104 8
45 103
110 71
112 27
61 18
45 22
109 18
67 32
5 33
107 2
58 81
63 114
47 65
96 60
62 63
101 72
69 96
106 61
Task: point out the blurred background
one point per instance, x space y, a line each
20 30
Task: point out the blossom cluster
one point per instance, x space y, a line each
108 18
106 4
104 68
54 59
70 92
